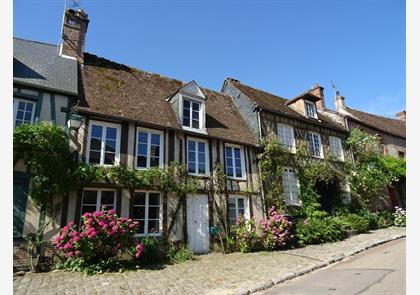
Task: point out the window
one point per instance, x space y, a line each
96 199
236 209
23 111
310 109
291 187
401 154
145 209
191 113
315 145
104 143
149 148
286 136
234 165
336 147
197 157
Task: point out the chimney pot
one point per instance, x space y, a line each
233 80
317 90
339 102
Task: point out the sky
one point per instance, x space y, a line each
283 47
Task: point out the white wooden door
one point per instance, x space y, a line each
198 223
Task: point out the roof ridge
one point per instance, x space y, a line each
33 41
258 89
378 116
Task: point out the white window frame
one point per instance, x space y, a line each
149 140
117 146
337 141
321 150
292 147
146 214
201 113
98 197
289 201
315 116
242 154
207 173
246 206
15 109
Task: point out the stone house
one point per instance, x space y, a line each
391 133
297 124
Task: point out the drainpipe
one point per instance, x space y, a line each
259 170
347 128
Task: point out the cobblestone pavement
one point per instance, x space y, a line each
214 273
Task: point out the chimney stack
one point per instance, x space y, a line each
401 116
339 102
233 80
318 91
73 34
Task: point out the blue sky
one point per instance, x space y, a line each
281 46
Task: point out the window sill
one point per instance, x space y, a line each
237 178
147 235
195 130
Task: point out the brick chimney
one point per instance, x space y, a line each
73 34
339 102
318 91
233 80
401 116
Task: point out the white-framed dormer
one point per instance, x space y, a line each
149 148
198 163
286 136
189 103
235 161
310 109
103 146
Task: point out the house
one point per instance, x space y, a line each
391 133
297 124
141 120
44 88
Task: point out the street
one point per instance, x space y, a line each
379 271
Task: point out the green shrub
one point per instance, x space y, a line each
180 254
152 251
385 219
371 217
354 222
247 239
315 230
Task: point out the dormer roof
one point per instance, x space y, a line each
305 96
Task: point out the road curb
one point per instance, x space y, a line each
300 272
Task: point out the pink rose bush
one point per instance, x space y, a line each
102 237
271 234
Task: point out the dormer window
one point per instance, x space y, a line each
191 114
310 109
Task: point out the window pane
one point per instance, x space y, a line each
28 117
153 226
21 105
201 147
107 197
195 124
195 106
19 115
154 199
96 131
191 156
95 144
201 158
238 163
191 145
241 203
154 150
229 152
155 139
29 106
109 158
110 146
139 198
232 202
138 212
241 211
232 213
229 171
141 161
201 168
154 162
141 227
142 149
229 162
154 212
237 153
191 167
111 133
238 172
195 115
186 104
94 157
89 197
143 137
89 209
107 207
186 121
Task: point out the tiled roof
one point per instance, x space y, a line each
392 126
276 103
114 89
39 65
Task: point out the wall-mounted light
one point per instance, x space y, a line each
74 121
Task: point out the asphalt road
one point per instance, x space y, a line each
376 271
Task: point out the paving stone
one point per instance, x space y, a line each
213 273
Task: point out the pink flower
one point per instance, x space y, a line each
70 254
77 252
112 211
